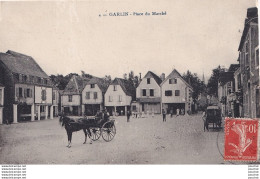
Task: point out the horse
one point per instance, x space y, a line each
73 125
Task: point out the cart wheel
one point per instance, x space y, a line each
108 131
95 133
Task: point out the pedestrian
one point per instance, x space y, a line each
204 116
171 111
128 116
164 115
177 112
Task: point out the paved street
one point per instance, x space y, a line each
180 140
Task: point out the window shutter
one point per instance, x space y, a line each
24 93
147 92
30 93
17 92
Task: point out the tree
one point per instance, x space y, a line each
197 85
212 87
61 81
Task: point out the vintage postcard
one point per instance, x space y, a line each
129 82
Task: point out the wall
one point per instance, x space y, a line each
174 99
144 85
75 100
126 100
28 100
99 99
38 95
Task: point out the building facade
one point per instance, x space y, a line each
71 98
148 94
28 89
93 96
1 103
249 65
119 96
176 94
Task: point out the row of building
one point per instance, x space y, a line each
27 93
238 87
87 96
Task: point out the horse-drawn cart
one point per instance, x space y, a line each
213 116
105 129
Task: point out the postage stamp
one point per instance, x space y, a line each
241 139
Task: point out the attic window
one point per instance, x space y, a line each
173 81
92 85
148 81
115 87
45 81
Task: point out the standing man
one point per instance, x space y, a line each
164 115
128 116
177 112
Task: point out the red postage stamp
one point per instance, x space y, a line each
241 137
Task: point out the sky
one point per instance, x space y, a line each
69 36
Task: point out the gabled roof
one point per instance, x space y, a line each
252 16
233 67
226 77
126 85
176 74
75 85
21 64
155 77
102 84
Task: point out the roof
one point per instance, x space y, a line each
155 77
1 85
176 74
75 85
102 83
226 77
233 67
126 85
21 64
252 16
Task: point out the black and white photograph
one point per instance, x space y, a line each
114 82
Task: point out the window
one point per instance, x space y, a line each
120 98
53 95
257 57
110 98
43 95
16 77
168 93
92 85
31 79
70 98
148 81
20 92
87 95
151 92
115 87
28 93
24 78
246 54
173 81
39 80
45 81
95 95
1 91
42 109
177 92
144 92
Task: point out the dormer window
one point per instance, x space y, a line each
45 81
39 80
92 85
24 78
148 81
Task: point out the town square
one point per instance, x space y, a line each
88 83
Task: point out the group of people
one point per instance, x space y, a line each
178 112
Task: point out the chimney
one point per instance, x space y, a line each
162 76
140 76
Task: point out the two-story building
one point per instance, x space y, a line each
28 89
71 98
1 103
249 64
176 93
93 96
148 93
119 96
